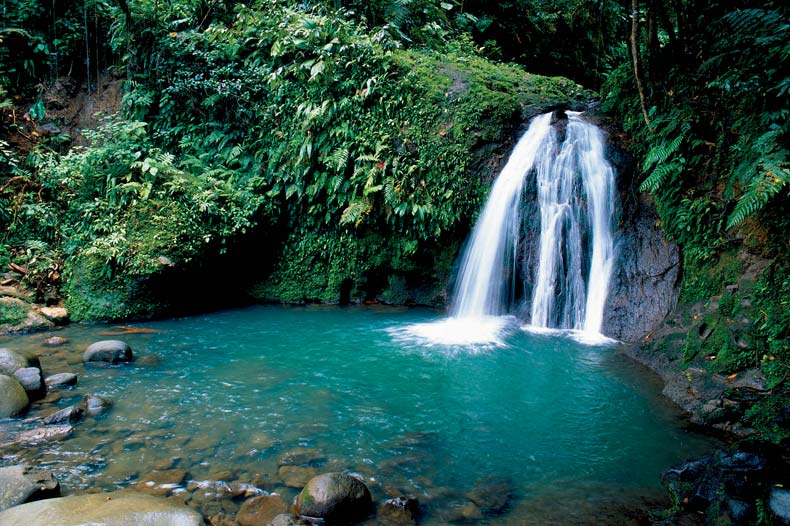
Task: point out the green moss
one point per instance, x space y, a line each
702 279
12 314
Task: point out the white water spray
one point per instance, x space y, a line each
576 196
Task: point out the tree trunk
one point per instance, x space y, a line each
635 54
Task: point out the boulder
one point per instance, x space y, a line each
780 505
61 380
10 361
118 508
13 398
20 484
108 351
334 497
95 404
57 315
71 414
260 511
31 381
44 434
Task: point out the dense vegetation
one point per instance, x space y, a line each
348 137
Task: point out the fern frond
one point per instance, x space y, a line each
660 175
764 187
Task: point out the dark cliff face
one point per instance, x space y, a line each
646 280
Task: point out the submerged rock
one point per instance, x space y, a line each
260 511
95 404
44 434
119 508
334 497
61 380
289 519
110 351
56 341
400 509
13 398
20 484
69 414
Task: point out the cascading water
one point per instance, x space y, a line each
488 266
575 193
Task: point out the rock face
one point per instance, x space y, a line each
20 484
334 497
646 278
120 508
110 351
13 398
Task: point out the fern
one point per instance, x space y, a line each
657 178
768 184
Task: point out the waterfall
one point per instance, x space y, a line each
576 197
487 269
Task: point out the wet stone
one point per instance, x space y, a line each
95 404
56 341
30 379
289 519
162 482
400 510
71 414
44 434
61 380
260 511
296 476
108 351
492 496
302 457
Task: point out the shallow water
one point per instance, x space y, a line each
237 395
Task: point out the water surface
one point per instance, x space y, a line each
230 395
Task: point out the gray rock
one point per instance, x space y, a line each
61 380
288 519
95 404
20 484
13 398
71 414
118 508
44 434
30 378
646 278
10 361
780 505
334 497
110 351
56 341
